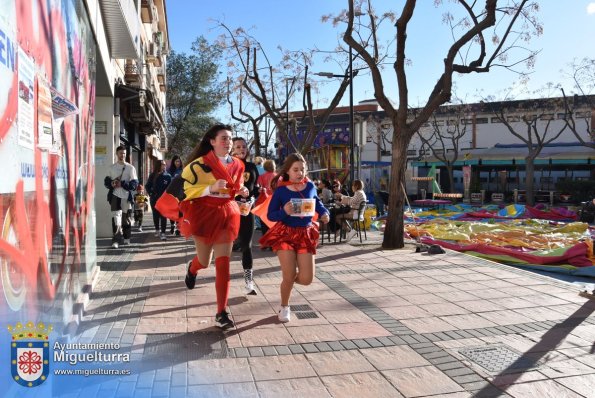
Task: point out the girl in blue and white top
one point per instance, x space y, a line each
293 238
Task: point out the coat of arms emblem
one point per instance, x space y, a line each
30 353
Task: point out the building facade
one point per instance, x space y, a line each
474 132
68 99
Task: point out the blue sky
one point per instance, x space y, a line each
569 32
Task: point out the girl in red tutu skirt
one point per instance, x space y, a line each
293 237
210 214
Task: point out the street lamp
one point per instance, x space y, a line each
350 75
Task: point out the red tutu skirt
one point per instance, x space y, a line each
213 220
299 239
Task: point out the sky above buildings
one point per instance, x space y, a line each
568 33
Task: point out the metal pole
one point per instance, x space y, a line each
351 124
287 108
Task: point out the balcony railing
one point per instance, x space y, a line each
132 71
160 74
148 11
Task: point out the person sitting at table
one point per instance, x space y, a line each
338 190
326 195
335 206
352 203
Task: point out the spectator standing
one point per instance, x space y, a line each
140 206
121 182
175 169
157 183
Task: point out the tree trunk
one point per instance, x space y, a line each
451 180
529 172
255 128
394 230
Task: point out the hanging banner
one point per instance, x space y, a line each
61 106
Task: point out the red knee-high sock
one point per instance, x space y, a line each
222 281
195 266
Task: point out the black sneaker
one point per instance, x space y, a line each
222 320
190 279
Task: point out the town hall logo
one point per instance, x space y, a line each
30 353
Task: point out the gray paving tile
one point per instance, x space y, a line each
397 340
336 346
255 351
442 336
427 350
241 352
348 344
360 343
296 349
470 378
451 365
441 360
282 350
269 351
458 372
374 343
323 347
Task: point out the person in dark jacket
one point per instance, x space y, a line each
175 169
156 185
244 241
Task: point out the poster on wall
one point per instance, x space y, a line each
56 148
44 115
8 72
25 110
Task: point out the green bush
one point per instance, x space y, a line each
581 191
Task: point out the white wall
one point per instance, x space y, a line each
104 112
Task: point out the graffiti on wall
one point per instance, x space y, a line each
47 95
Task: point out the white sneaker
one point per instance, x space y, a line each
126 242
249 289
140 229
157 234
350 235
284 314
115 245
163 236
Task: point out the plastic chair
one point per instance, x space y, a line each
322 229
358 221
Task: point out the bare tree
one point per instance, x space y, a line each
583 77
263 85
469 52
246 117
536 131
444 141
379 135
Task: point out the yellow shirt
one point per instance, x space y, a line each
196 180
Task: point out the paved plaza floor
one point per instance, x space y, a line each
373 323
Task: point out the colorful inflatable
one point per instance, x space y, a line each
517 235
